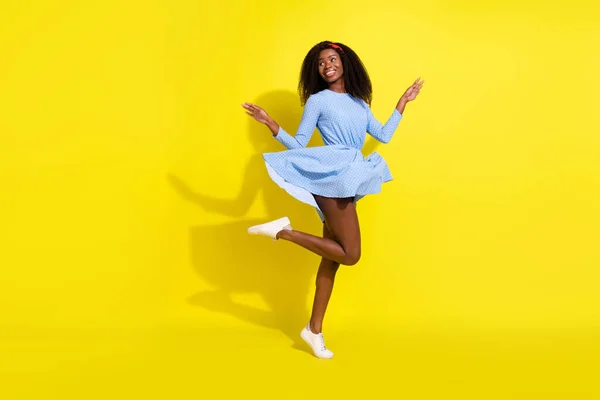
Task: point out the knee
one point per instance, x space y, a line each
328 268
352 257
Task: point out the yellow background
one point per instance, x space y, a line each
130 173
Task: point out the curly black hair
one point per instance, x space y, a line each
356 78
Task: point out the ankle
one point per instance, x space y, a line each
284 233
314 328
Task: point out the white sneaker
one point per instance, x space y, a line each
271 229
316 342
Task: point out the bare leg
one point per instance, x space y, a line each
342 222
340 244
324 288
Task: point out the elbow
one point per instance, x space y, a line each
300 145
382 137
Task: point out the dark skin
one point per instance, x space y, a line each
341 241
332 70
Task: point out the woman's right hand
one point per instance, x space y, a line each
257 113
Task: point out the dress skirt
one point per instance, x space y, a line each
335 171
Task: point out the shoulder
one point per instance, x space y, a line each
315 100
363 104
318 96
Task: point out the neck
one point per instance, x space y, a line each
338 86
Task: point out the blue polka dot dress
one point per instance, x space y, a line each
337 169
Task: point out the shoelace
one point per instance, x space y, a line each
322 341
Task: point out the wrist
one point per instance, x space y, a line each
272 125
401 104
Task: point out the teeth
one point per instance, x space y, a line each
330 73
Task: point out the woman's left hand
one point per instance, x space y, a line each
414 89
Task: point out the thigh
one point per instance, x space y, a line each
325 262
341 221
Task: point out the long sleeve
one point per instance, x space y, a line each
383 133
310 116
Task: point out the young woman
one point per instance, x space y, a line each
336 92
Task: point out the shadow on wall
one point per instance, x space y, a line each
232 261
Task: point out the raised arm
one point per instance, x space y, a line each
384 133
306 128
310 116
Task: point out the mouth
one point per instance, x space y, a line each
330 73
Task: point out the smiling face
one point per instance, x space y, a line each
330 66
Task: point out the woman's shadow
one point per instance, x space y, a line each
233 262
